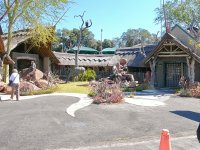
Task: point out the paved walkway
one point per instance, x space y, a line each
144 98
41 122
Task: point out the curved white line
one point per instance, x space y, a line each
84 101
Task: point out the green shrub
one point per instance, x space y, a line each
88 75
128 89
139 88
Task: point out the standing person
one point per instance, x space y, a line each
33 65
15 84
33 69
198 133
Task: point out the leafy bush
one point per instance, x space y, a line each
104 92
88 75
128 89
139 88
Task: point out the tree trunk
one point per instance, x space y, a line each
152 66
191 68
6 73
9 44
188 67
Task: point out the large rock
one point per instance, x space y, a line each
2 86
41 83
26 87
24 74
7 90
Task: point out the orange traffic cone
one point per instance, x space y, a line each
164 140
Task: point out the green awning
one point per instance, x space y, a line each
109 50
84 50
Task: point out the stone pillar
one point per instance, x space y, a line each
46 65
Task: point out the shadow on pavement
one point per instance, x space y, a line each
188 114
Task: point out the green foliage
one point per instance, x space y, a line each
73 87
128 89
88 75
181 12
136 36
139 88
107 43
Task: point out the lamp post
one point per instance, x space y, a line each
82 28
101 40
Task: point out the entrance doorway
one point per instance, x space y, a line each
23 63
173 73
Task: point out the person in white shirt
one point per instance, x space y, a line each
14 77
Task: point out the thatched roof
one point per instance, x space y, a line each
179 43
140 52
18 37
90 60
23 35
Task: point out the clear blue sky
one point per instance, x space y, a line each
113 16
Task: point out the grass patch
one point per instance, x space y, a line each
44 91
73 87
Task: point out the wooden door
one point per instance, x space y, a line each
173 73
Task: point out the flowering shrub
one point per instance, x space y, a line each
192 90
104 92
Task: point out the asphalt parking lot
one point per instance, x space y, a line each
41 123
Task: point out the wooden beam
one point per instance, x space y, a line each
166 49
171 48
169 44
177 52
173 55
176 49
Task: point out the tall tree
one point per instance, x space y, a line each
70 38
136 36
107 43
33 14
182 12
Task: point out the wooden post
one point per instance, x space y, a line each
152 66
188 67
191 68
